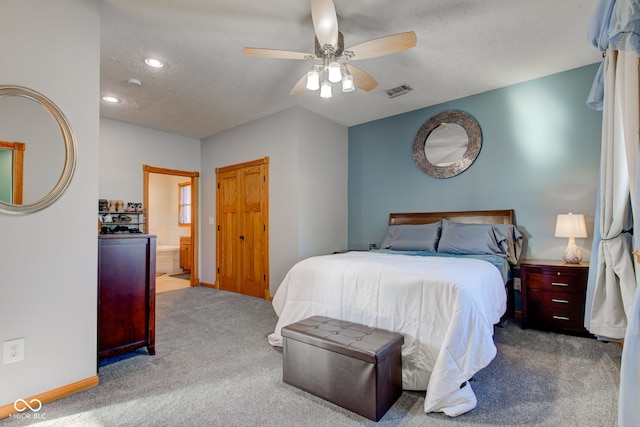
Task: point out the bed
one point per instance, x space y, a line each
438 278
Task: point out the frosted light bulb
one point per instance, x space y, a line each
347 83
313 80
335 72
325 89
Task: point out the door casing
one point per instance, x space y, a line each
195 209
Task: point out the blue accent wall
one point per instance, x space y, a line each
540 156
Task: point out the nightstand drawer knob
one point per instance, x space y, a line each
564 285
560 318
562 301
559 274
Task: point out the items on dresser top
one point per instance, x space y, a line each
116 217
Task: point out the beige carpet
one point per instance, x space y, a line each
213 367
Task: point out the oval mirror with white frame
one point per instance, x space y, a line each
37 151
447 144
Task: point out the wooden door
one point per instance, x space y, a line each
242 234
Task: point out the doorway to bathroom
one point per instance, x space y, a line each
172 200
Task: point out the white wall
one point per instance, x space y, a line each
293 140
163 202
322 174
124 148
48 259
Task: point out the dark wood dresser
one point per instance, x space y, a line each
126 293
553 295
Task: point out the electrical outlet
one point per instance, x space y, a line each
13 351
517 286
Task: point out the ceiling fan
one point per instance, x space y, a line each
329 49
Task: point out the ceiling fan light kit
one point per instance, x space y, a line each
333 73
329 47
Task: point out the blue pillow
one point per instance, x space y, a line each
406 237
459 238
494 239
510 240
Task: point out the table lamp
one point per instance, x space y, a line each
572 226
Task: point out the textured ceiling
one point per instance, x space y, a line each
208 86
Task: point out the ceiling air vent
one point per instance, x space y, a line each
397 91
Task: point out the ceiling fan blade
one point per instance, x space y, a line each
383 46
300 86
276 53
325 22
361 79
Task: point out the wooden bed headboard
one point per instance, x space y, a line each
469 217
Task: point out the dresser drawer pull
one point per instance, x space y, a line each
560 318
562 301
564 285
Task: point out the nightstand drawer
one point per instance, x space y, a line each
556 281
556 310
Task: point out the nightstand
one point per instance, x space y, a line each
553 295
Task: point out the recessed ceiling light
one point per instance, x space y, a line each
111 99
155 63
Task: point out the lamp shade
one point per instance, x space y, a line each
571 225
347 83
334 72
313 80
325 89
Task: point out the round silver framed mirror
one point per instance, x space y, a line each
447 144
37 151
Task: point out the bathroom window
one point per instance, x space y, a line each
184 207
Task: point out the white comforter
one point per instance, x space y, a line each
444 307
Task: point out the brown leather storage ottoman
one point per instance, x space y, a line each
351 365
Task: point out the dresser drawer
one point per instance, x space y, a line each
556 310
557 279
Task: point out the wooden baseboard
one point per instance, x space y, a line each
208 285
51 395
